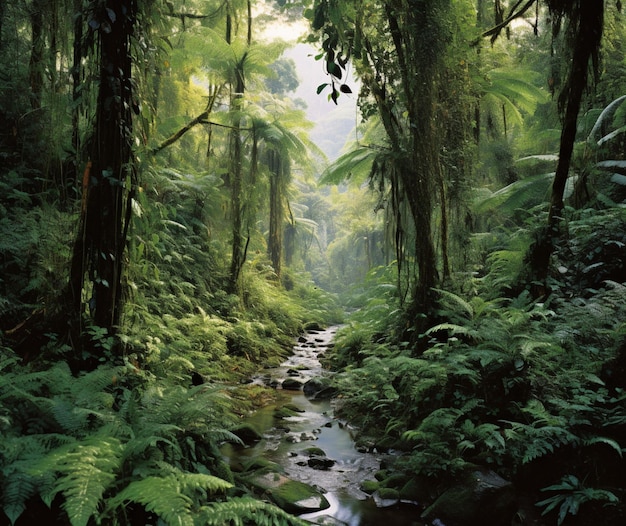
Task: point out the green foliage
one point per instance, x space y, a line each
244 511
571 495
110 437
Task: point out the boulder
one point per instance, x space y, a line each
482 497
291 384
386 497
321 463
290 495
318 389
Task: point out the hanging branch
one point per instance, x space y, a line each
494 32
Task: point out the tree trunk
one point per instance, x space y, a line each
274 243
236 187
99 247
35 65
587 41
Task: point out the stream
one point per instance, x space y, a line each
285 442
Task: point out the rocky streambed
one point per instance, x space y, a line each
302 458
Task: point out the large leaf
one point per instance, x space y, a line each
520 194
356 166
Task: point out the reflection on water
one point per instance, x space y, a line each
285 441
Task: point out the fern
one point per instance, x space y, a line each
246 511
85 471
170 496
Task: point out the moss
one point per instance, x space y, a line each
284 412
264 465
389 493
381 475
395 480
415 491
294 408
314 452
369 486
296 497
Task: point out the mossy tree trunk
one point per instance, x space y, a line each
98 256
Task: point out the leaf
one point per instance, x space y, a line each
321 87
356 165
605 440
345 88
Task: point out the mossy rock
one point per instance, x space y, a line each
314 452
284 412
386 497
369 486
294 408
313 326
247 433
388 493
381 475
291 384
298 497
261 464
395 480
416 490
482 497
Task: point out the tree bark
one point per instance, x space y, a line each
590 22
108 181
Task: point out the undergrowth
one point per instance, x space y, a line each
533 389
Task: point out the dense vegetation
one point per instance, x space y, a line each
167 228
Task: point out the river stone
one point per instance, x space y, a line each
321 463
291 384
483 497
318 389
314 452
290 495
386 497
327 520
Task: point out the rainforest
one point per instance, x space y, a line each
290 262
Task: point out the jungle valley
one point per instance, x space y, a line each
238 283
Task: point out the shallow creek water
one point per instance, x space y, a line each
285 440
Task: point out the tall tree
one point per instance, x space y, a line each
399 49
109 178
585 23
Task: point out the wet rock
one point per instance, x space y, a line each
289 495
386 497
284 412
326 520
369 486
326 394
314 452
322 463
483 497
318 389
291 384
302 339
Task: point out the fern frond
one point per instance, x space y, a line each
86 469
457 301
169 496
454 328
245 510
